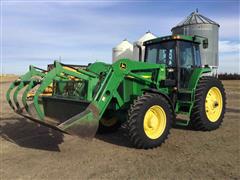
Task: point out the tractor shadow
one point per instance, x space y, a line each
188 127
30 135
27 134
119 138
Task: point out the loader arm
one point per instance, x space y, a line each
108 90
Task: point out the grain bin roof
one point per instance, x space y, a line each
195 18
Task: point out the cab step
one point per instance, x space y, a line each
182 122
185 95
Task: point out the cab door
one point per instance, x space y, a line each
187 62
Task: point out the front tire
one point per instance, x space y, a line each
210 103
149 121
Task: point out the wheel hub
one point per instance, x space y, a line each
213 104
154 122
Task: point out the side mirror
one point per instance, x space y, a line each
205 43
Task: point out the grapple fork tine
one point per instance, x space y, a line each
15 95
12 86
20 84
30 86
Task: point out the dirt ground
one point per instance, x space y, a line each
30 151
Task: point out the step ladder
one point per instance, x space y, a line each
184 106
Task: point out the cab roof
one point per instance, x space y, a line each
194 39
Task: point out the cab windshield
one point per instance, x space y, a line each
163 53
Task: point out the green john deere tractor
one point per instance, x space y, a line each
147 96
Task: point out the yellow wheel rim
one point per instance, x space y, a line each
154 122
213 104
108 122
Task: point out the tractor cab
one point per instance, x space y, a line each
179 53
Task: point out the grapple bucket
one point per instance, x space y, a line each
71 114
79 97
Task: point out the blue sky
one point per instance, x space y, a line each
37 32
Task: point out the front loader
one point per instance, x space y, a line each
147 96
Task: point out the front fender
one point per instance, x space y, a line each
151 90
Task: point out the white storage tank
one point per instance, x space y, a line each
138 48
122 50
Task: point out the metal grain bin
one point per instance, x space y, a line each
197 24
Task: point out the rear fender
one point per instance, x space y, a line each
197 74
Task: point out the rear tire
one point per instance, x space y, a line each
210 103
149 121
108 123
